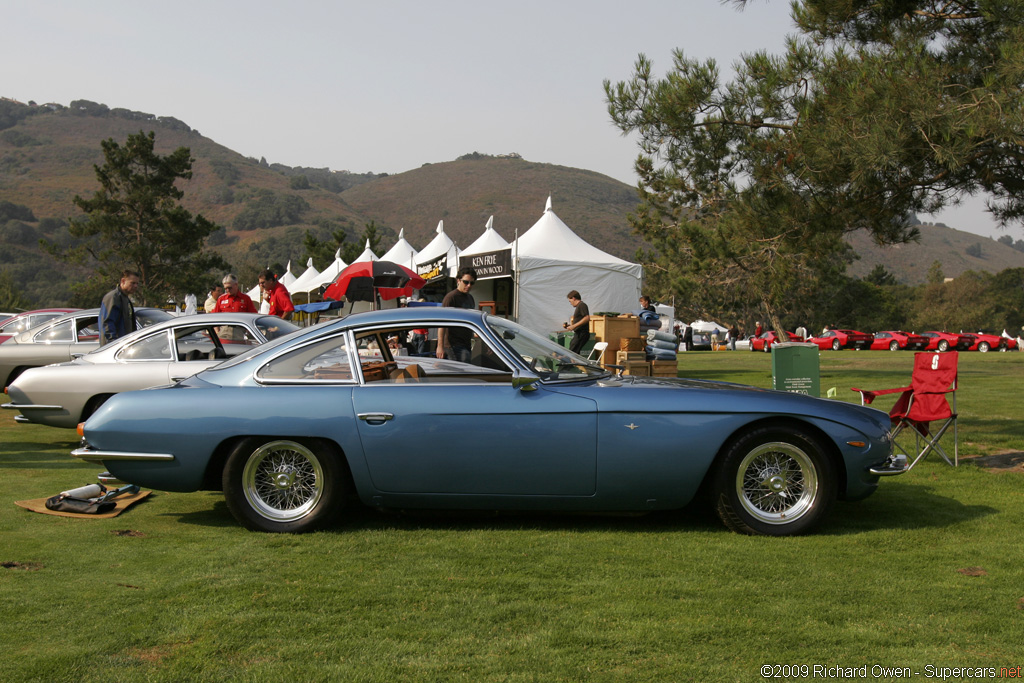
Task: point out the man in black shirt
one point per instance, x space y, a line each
456 343
579 324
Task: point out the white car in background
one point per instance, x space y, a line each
64 394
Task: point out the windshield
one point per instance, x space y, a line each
543 356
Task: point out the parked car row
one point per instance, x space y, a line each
889 340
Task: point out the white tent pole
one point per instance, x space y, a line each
515 278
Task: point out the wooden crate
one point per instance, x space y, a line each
664 368
639 369
630 356
612 329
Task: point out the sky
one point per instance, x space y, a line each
386 86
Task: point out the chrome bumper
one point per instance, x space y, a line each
29 406
95 455
895 464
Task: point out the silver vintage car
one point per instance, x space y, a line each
64 394
61 339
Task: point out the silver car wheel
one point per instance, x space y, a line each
777 483
283 481
894 345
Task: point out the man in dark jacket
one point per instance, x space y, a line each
117 314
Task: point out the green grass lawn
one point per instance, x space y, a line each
926 572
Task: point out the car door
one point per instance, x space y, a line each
461 428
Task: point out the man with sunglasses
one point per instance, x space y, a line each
456 343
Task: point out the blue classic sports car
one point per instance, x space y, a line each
293 429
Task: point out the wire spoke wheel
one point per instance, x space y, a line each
283 481
774 481
777 483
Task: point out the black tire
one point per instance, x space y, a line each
836 345
894 345
774 481
93 404
285 485
943 345
984 347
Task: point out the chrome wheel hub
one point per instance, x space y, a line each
283 481
777 483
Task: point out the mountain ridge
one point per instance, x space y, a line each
47 156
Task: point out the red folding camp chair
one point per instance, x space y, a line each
922 403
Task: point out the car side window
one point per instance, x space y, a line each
61 332
153 347
326 361
87 330
392 356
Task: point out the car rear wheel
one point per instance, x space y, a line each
894 345
836 345
943 345
984 347
281 485
93 405
774 481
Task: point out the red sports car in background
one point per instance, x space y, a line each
894 340
944 341
767 339
986 342
843 339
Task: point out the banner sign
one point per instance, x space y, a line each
489 265
433 270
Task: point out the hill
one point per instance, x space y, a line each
47 155
909 263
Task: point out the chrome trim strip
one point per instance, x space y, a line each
93 454
29 406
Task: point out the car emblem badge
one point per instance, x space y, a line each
632 426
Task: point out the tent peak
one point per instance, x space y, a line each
547 206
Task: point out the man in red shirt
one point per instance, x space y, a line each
277 294
233 300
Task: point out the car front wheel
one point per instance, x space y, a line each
984 347
894 345
774 481
943 345
281 485
836 345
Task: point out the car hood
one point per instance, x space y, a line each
665 394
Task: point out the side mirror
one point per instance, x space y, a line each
524 382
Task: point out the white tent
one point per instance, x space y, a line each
709 327
490 240
367 254
328 274
551 260
288 278
402 253
441 245
304 283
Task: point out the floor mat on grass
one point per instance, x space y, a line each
123 503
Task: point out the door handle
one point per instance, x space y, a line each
375 418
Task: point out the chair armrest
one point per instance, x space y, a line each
866 396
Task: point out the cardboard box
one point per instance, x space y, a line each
612 329
630 356
664 368
638 369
